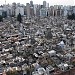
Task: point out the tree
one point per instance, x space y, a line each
71 17
4 14
48 34
19 18
12 73
1 18
47 13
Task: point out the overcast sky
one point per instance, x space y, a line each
51 2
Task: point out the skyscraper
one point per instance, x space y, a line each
31 3
43 12
44 4
20 10
28 9
47 5
13 8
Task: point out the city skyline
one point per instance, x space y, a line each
51 2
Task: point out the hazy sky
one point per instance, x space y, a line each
51 2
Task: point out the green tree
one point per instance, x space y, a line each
71 17
48 34
4 14
19 18
12 73
1 18
47 13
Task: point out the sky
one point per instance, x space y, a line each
51 2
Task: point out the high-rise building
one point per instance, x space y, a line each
20 10
31 3
28 10
1 10
57 10
9 10
13 8
43 12
74 9
51 11
65 11
31 11
47 5
35 8
44 4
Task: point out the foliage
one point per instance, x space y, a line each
48 35
73 63
71 17
73 50
4 14
1 18
12 73
19 18
47 13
